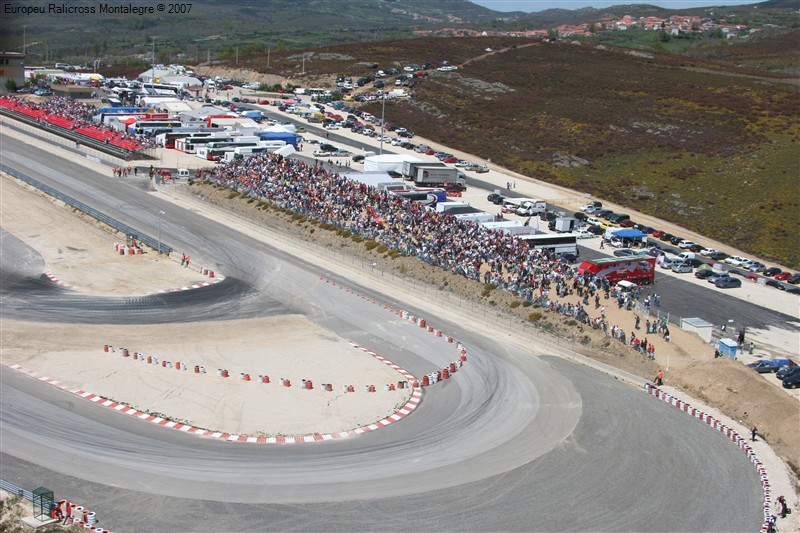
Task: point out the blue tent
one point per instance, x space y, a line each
289 138
629 234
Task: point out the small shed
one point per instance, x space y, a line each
698 326
728 347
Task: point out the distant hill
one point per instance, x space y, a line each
215 29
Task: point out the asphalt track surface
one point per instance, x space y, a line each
514 443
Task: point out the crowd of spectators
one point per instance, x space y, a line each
471 250
81 115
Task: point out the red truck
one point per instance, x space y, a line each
636 269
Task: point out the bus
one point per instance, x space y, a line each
146 127
167 139
557 243
190 144
160 88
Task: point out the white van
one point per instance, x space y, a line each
594 221
683 256
183 173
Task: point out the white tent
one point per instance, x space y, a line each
387 162
286 151
373 179
280 128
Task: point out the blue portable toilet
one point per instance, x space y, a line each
728 347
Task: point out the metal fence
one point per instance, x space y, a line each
15 490
145 239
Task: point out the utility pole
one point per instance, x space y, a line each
304 62
153 76
383 115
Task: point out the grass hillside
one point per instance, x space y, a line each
710 147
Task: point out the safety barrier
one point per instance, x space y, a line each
432 377
305 384
94 213
733 436
76 515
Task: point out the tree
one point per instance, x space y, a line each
11 85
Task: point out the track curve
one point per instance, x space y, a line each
501 447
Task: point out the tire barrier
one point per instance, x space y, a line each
262 378
123 249
733 436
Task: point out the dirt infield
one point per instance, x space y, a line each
81 254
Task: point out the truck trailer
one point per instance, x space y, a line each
640 270
435 175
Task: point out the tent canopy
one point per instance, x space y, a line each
629 234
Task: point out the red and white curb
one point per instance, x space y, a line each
57 281
729 432
432 377
410 405
218 279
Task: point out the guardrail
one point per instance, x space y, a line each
94 213
17 491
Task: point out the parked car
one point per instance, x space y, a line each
793 290
667 262
755 266
696 248
665 236
603 213
624 252
676 240
579 215
592 205
735 260
794 279
626 224
707 251
681 268
772 271
718 256
786 370
595 229
777 284
782 276
717 275
728 283
451 159
685 244
495 198
765 366
704 273
584 234
792 381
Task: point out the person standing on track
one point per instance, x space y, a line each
659 379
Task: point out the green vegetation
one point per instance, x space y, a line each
704 145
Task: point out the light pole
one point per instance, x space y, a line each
159 231
153 77
383 119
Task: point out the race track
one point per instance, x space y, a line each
514 442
